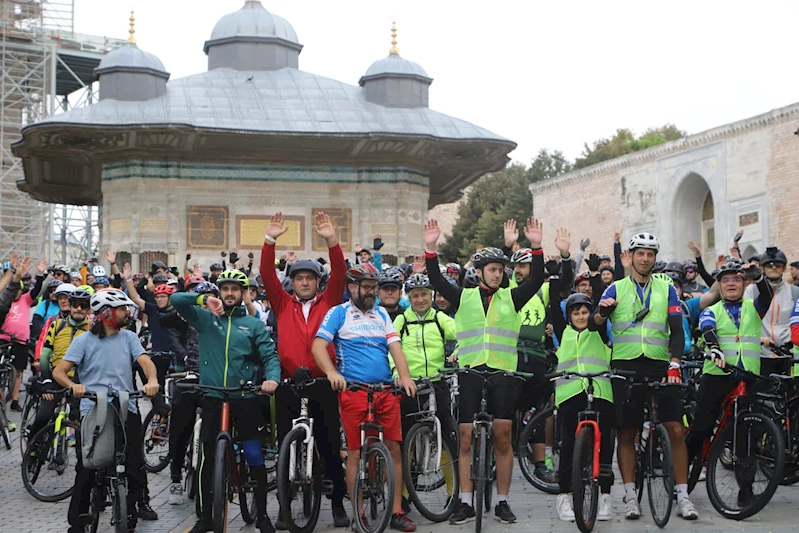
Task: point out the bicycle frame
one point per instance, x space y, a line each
306 423
429 415
729 412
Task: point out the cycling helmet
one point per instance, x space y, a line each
98 271
287 285
158 264
164 289
644 240
259 281
470 279
305 264
754 258
361 272
216 266
172 282
522 255
54 283
86 288
160 278
61 268
728 268
253 283
675 266
690 264
659 266
194 280
75 275
207 288
417 281
674 276
773 255
101 280
453 268
604 257
234 276
392 277
489 255
406 269
109 298
80 295
582 276
606 267
443 269
64 288
578 299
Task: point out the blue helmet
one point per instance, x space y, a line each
101 280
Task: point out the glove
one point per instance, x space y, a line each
592 262
251 255
716 353
752 273
674 373
377 244
553 267
585 243
234 258
224 254
188 256
606 311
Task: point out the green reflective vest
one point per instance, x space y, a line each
423 341
735 342
649 336
582 351
487 339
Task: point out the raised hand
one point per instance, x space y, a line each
126 272
431 234
534 231
418 265
41 266
111 255
357 247
325 229
584 244
378 242
563 242
695 249
617 235
626 259
276 226
292 258
510 232
196 270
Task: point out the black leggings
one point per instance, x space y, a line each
46 410
181 426
568 415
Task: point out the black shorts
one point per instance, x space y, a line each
20 352
631 402
537 390
501 395
245 417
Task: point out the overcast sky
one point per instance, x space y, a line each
549 74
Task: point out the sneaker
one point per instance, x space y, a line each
503 513
632 510
745 496
543 473
15 406
565 507
340 518
281 524
202 527
264 525
401 522
146 512
71 441
11 427
365 523
703 474
687 510
465 513
176 494
549 462
605 511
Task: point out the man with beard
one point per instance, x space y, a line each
364 336
231 344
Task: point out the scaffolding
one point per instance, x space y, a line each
45 68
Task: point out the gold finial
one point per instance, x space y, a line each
394 50
132 30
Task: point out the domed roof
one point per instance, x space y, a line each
395 64
253 20
130 56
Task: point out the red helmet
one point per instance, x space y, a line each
194 280
164 289
582 276
363 271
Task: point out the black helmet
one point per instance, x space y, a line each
659 266
392 276
287 286
79 295
305 264
160 278
158 264
754 258
489 255
216 266
690 264
604 257
578 299
606 267
675 276
54 283
470 279
728 268
773 255
406 269
675 266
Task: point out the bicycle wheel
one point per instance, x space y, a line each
533 438
221 485
298 491
4 427
660 475
585 487
479 474
491 477
120 506
96 501
28 417
432 484
747 487
694 471
49 462
246 494
155 442
377 489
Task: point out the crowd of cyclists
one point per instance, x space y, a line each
537 323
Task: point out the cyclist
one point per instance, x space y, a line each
104 358
488 315
298 319
731 329
692 285
647 329
231 343
776 324
389 293
583 348
46 308
364 336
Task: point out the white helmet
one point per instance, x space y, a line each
109 298
98 272
646 241
172 282
75 275
65 288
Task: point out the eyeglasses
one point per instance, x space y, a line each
80 305
731 279
368 288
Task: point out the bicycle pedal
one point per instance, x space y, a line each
327 487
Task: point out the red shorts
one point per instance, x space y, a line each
352 405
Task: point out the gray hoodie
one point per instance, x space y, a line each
777 321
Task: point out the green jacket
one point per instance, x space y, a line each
423 340
230 346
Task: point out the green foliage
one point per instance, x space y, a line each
625 142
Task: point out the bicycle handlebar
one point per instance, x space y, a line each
729 369
374 387
620 374
484 374
780 352
299 385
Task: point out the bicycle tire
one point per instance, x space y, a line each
4 428
695 470
221 482
659 451
32 464
287 490
28 417
537 426
585 488
120 506
411 472
95 507
247 505
479 468
154 462
490 477
770 434
377 454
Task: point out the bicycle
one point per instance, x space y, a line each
231 473
49 454
375 479
482 468
755 444
429 459
156 427
8 376
29 410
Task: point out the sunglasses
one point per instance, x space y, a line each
80 305
772 265
689 270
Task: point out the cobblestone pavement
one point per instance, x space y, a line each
21 513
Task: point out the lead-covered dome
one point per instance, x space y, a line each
129 57
395 64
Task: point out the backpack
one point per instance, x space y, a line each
98 434
404 329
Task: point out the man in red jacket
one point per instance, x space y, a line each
298 319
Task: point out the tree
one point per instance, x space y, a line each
625 142
495 198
